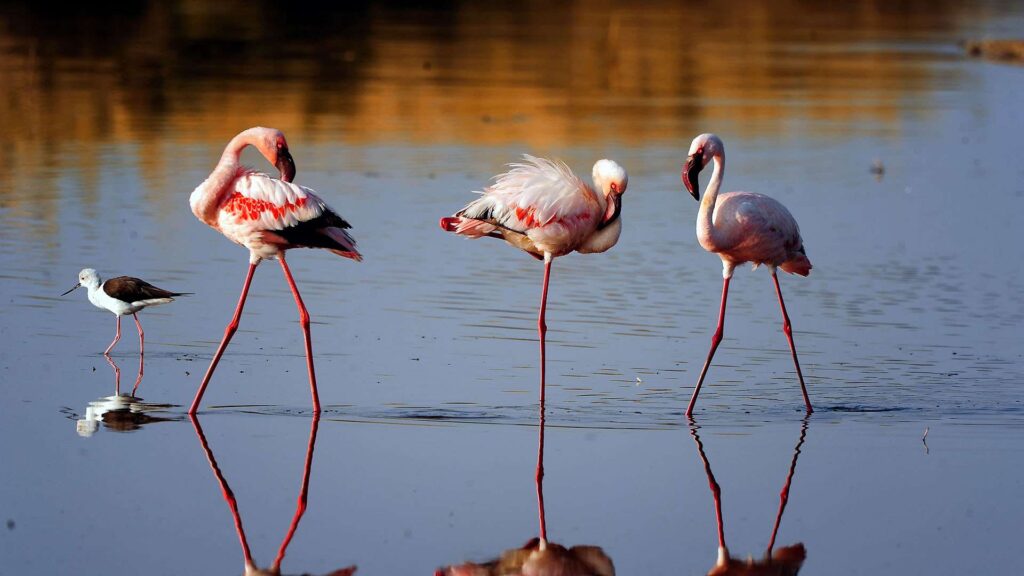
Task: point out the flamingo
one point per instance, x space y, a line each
784 561
268 216
251 569
542 208
539 556
742 227
122 296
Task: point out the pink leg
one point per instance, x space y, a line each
788 329
138 379
304 321
784 495
142 335
716 491
117 336
540 482
300 508
542 328
716 339
117 374
229 496
228 333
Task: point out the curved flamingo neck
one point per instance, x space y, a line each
233 151
708 237
207 197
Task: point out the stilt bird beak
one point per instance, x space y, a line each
72 289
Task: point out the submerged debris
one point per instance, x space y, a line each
878 169
1002 50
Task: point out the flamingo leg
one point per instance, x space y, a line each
542 327
539 477
304 321
300 507
716 339
229 496
228 333
117 337
788 329
784 494
716 490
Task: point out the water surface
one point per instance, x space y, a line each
426 351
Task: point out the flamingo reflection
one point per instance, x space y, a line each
784 561
539 557
120 412
275 568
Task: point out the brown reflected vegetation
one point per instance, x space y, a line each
151 74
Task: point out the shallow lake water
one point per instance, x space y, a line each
909 328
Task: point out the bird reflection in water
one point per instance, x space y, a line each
784 561
120 412
275 569
539 557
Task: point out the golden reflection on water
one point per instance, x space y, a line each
154 75
460 73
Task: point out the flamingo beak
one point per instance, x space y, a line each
286 164
690 172
72 289
613 211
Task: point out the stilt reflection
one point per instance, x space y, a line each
275 568
785 561
539 557
120 412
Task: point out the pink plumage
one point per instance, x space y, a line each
752 227
542 208
742 227
268 216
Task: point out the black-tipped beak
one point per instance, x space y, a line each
72 289
690 172
286 165
613 211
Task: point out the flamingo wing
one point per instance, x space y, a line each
532 194
259 201
763 230
285 213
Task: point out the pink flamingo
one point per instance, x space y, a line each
784 561
742 227
542 208
538 556
268 216
300 508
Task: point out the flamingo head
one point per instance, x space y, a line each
612 180
702 150
610 177
272 144
88 278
